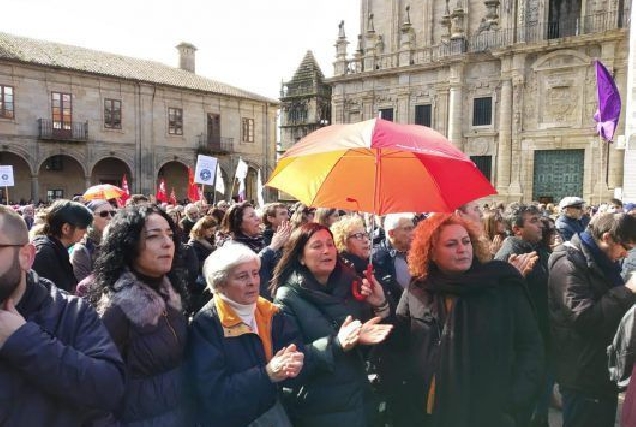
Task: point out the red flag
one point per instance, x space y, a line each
124 186
193 188
173 197
161 192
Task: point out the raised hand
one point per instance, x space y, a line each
375 295
281 235
524 262
287 363
372 332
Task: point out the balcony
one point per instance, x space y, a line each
215 145
532 33
62 131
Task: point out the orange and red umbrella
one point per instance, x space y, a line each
103 191
379 167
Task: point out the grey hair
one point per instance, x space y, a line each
221 262
392 221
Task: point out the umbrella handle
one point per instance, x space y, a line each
356 285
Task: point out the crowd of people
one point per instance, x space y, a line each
290 315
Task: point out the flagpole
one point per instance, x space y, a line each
607 165
6 191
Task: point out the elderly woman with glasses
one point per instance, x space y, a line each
242 348
85 252
473 350
352 242
314 288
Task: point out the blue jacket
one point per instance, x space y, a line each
226 366
61 367
629 264
568 227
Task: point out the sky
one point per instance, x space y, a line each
251 44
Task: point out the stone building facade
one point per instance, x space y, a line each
509 82
72 117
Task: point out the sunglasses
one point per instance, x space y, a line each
104 214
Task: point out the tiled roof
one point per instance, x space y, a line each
47 53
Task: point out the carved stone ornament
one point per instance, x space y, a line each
479 147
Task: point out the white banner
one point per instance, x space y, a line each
220 185
205 170
6 176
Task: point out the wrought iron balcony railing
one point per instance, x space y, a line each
215 145
62 130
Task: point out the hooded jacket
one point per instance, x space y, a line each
585 311
61 368
150 331
52 262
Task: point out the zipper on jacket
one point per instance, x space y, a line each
165 315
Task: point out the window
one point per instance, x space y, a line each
484 164
386 114
482 111
248 130
423 115
175 121
54 163
61 110
112 113
6 102
54 194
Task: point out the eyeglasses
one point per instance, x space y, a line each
12 245
358 236
104 214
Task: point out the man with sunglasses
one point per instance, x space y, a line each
570 221
587 297
65 224
58 364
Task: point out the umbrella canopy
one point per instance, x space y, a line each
103 191
381 167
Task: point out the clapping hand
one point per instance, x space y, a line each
287 363
495 244
281 235
524 262
372 332
10 320
349 333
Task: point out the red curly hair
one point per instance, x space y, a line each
427 236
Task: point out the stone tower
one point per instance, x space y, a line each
186 56
305 103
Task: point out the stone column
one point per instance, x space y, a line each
88 181
403 107
504 155
35 189
455 122
368 111
440 123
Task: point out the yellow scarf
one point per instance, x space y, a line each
233 325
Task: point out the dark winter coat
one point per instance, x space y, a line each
85 254
384 264
338 394
150 331
61 368
568 227
202 250
585 311
485 354
536 280
52 262
227 366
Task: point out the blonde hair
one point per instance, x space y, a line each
343 228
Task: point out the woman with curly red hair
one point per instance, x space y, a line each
473 351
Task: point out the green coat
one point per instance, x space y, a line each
337 393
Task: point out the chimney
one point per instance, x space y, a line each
186 56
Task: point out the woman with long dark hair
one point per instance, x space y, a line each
139 294
314 288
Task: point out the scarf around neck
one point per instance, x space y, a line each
611 270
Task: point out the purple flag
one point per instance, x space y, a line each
609 103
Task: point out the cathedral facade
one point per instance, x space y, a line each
510 82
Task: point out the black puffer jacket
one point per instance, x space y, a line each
61 368
568 227
338 394
150 331
52 262
584 314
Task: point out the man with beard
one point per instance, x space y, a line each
58 364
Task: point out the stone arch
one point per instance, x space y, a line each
79 159
175 175
551 60
21 191
110 170
61 176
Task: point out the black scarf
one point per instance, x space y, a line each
611 270
355 262
255 243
